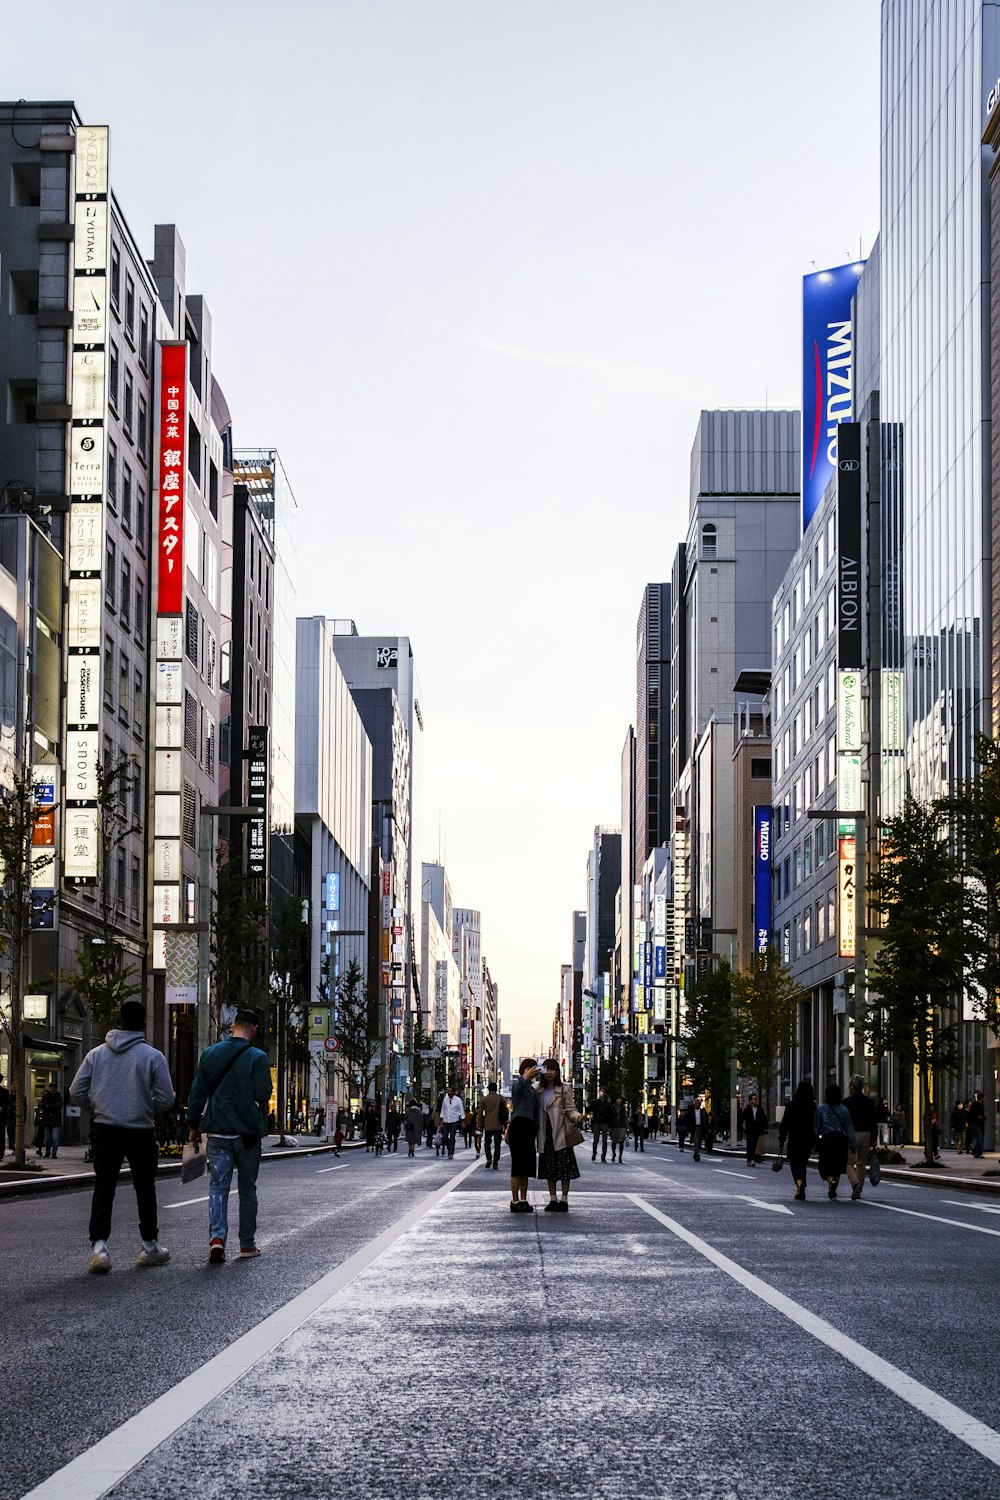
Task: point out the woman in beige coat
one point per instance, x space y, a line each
556 1158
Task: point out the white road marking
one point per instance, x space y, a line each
188 1201
774 1208
340 1168
890 1208
104 1465
979 1207
968 1429
728 1172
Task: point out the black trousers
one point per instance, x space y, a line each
393 1140
601 1134
112 1145
492 1139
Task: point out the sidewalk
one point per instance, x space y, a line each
70 1169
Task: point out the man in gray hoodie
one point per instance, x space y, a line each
126 1083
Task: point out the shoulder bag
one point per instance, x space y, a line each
574 1135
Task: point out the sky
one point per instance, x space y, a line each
474 267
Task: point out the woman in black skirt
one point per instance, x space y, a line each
521 1131
557 1159
795 1134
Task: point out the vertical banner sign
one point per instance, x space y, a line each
43 847
257 784
85 522
827 375
168 773
849 592
761 880
846 875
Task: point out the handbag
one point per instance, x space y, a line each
574 1135
760 1148
875 1171
779 1160
194 1161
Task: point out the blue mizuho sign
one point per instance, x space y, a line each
827 375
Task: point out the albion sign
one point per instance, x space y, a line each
849 590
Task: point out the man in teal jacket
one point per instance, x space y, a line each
228 1101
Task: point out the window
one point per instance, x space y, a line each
210 655
123 698
191 633
129 401
807 855
209 745
138 705
140 516
190 817
126 495
807 929
797 877
194 451
796 603
142 430
109 667
709 542
760 768
116 275
110 571
129 306
136 888
140 608
820 922
120 884
788 882
190 723
137 794
831 913
227 667
113 376
820 842
125 600
143 335
112 473
225 736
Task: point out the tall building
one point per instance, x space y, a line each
625 955
652 738
604 873
466 939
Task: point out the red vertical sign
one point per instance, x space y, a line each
170 516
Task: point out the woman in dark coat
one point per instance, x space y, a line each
754 1122
413 1125
522 1130
795 1134
371 1127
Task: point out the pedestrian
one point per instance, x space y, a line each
795 1133
469 1127
684 1117
491 1118
637 1125
413 1127
862 1112
898 1123
754 1122
697 1125
619 1128
959 1125
432 1121
393 1125
834 1129
6 1114
228 1101
452 1115
556 1156
342 1120
51 1111
601 1119
126 1084
370 1125
654 1123
977 1126
882 1120
522 1133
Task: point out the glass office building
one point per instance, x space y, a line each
939 63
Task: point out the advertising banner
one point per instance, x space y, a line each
827 375
762 879
846 872
257 785
172 434
849 591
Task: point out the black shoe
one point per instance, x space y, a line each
856 1192
697 1156
833 1190
562 1206
552 1207
603 1158
594 1157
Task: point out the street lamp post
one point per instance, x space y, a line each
859 819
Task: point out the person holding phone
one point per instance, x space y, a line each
521 1133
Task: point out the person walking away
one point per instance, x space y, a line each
834 1129
882 1121
522 1133
697 1123
51 1109
490 1118
393 1125
977 1126
556 1157
654 1123
958 1126
863 1117
413 1127
637 1125
228 1101
370 1126
684 1118
754 1122
898 1123
469 1127
619 1128
452 1115
126 1084
795 1134
601 1119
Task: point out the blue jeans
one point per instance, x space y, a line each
225 1156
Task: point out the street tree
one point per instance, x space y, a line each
918 971
973 814
239 944
20 813
708 1032
765 1008
358 1054
289 965
102 977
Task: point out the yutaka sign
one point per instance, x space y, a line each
827 375
172 432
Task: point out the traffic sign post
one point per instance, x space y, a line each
331 1044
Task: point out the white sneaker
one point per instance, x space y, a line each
155 1257
100 1263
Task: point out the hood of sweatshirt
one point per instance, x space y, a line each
121 1041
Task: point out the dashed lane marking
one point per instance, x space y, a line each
773 1208
979 1207
104 1465
968 1429
188 1201
342 1167
913 1213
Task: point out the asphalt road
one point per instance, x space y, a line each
686 1330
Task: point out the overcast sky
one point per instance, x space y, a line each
474 267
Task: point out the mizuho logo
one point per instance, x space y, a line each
849 466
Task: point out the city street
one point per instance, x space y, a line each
686 1330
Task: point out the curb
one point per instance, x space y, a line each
32 1187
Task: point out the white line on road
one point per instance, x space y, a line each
188 1201
774 1208
979 1207
94 1472
913 1213
341 1168
728 1172
968 1429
